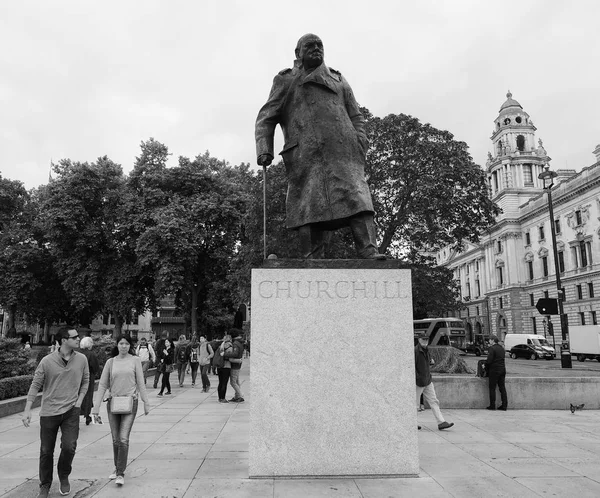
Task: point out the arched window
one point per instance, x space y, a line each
520 143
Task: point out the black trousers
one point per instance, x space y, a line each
224 374
497 378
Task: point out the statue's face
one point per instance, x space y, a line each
312 52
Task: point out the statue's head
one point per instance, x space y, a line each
309 51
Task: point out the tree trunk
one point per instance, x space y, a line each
11 332
46 335
118 330
194 310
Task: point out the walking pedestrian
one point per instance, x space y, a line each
86 345
124 376
194 358
235 358
223 368
158 350
206 355
166 365
64 378
146 354
182 357
425 384
497 374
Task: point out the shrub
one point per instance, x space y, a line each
14 360
12 387
447 360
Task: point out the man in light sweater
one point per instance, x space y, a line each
64 376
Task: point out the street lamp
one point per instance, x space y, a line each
565 356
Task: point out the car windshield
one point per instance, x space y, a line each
541 342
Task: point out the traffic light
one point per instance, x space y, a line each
561 294
550 328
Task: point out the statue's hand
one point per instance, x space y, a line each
265 159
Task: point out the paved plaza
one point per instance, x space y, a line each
192 446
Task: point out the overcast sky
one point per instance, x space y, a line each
81 80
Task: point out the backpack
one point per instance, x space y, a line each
194 355
182 356
218 360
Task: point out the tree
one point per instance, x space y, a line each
427 191
83 219
191 234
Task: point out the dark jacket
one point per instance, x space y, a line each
325 145
236 352
422 361
185 346
158 349
169 358
495 359
215 345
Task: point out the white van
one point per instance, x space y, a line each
511 340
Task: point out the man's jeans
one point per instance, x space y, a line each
204 369
68 423
120 427
234 380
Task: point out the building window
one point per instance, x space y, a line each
583 253
546 294
588 246
531 300
468 290
520 143
545 266
478 287
499 245
477 265
578 219
527 239
579 292
591 289
530 269
534 325
500 303
557 226
495 176
527 175
561 261
500 276
541 230
105 319
594 318
582 317
477 310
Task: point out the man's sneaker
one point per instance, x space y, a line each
160 394
120 480
223 401
237 400
193 384
113 475
64 487
445 425
44 491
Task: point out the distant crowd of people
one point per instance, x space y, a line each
66 378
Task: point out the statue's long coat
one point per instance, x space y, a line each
325 145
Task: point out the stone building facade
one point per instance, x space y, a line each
502 277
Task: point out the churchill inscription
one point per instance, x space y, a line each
324 289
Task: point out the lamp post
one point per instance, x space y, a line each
548 175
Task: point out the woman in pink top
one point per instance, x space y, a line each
124 376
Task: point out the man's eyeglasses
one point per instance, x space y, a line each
74 337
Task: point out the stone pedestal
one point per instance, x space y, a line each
332 371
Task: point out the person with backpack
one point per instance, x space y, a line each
215 345
194 358
206 355
223 367
159 348
146 355
182 357
235 358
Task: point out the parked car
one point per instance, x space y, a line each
478 347
531 352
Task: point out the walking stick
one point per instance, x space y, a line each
264 212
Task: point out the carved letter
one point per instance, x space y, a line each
284 289
323 288
337 290
260 289
362 289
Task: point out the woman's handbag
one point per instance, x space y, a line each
119 405
169 368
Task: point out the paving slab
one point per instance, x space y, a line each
192 446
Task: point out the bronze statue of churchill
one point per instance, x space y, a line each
324 152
